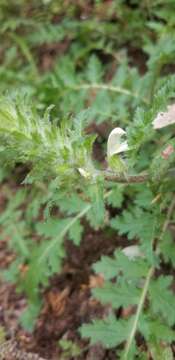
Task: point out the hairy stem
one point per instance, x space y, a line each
125 178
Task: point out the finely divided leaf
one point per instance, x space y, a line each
75 232
117 196
162 299
131 269
110 332
118 294
138 224
154 330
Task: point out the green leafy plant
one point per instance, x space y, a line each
65 154
69 348
94 83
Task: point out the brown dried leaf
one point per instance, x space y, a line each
96 352
164 119
96 281
126 312
167 152
23 268
57 300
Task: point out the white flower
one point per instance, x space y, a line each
132 252
83 173
114 144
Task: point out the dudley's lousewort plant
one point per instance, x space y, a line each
61 158
95 82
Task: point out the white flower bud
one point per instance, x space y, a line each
114 144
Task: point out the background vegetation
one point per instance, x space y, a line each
71 72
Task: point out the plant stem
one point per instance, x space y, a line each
108 87
138 312
125 178
20 41
122 178
168 218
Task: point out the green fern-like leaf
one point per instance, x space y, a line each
137 224
111 267
110 332
141 129
162 298
75 232
119 294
